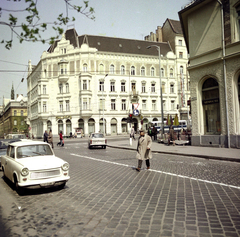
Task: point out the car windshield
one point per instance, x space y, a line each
97 135
33 150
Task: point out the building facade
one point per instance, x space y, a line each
13 116
212 34
171 32
93 83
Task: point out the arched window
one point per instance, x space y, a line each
85 67
68 127
67 88
101 68
181 69
162 72
122 70
60 126
132 70
152 71
211 108
171 72
112 69
142 71
49 125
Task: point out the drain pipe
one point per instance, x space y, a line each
224 71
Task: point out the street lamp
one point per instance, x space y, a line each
103 105
160 79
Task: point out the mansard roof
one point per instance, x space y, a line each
113 45
176 26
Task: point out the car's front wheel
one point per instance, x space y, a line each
17 187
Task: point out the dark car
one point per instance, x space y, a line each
3 146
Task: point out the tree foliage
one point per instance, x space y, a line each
32 28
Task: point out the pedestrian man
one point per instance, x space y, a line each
50 138
132 134
171 136
144 150
45 136
154 131
150 132
61 138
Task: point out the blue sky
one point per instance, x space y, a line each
131 19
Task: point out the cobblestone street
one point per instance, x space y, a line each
180 196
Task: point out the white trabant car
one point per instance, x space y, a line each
32 164
97 139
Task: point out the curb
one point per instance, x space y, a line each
184 154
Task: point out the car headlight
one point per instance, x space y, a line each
25 171
65 166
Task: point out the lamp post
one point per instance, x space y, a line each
160 81
103 104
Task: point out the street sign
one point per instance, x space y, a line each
136 112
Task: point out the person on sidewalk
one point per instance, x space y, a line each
61 138
132 134
144 150
50 138
154 131
150 132
171 136
45 136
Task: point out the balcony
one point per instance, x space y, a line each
63 78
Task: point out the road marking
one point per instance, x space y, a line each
158 171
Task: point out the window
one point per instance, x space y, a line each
134 87
122 86
67 88
63 69
123 104
162 72
112 69
101 68
15 122
44 89
144 104
171 72
84 84
172 104
143 87
61 106
152 71
153 87
122 70
172 88
102 104
101 86
85 67
180 54
113 104
142 71
85 104
39 90
153 104
67 105
21 112
164 104
44 107
60 88
132 70
180 42
15 112
64 51
211 108
112 86
181 69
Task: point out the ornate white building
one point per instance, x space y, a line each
84 80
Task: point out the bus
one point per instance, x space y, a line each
182 125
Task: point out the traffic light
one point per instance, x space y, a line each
130 117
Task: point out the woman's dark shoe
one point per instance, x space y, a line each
137 169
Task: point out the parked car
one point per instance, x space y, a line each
32 164
3 146
97 139
15 136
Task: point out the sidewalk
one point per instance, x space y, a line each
196 151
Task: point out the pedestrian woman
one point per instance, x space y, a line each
144 150
50 138
61 138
